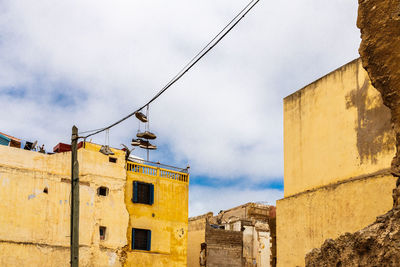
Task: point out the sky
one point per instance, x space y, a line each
88 63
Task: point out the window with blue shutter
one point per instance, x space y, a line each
141 239
151 194
148 240
133 238
143 193
135 192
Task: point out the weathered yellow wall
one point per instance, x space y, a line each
338 145
34 226
335 128
167 219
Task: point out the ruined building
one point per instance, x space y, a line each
241 236
338 148
131 213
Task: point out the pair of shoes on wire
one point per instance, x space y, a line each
146 145
146 135
106 150
140 116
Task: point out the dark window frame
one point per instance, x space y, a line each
141 239
102 232
103 191
139 194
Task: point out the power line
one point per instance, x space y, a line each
189 65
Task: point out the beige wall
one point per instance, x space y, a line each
338 145
34 226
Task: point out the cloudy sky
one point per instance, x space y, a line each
91 62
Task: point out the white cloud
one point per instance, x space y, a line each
224 117
203 199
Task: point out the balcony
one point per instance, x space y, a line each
158 170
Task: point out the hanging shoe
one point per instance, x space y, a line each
109 151
146 135
106 150
135 142
141 116
143 143
103 150
152 147
146 145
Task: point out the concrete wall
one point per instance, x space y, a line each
34 225
338 146
167 219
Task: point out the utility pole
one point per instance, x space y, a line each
74 199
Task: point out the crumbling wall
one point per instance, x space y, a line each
376 245
379 22
379 243
224 248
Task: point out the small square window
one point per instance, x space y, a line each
143 193
112 160
102 191
102 232
141 239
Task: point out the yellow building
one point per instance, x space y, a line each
35 210
338 147
157 202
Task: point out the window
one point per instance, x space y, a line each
102 232
102 191
141 239
112 160
143 193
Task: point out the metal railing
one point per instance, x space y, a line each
157 171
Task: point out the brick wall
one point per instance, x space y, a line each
224 248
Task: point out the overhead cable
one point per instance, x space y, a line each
189 65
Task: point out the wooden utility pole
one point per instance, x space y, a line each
74 199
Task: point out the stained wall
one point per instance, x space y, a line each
35 225
338 146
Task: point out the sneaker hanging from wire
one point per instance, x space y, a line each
146 135
146 145
104 150
135 142
140 116
109 151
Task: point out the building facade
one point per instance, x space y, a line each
338 147
241 236
116 229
